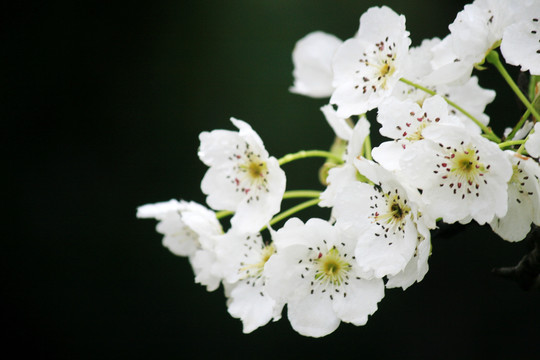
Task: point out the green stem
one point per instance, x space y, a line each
518 125
534 79
288 195
367 148
309 153
511 143
301 194
491 135
292 211
223 213
535 100
493 58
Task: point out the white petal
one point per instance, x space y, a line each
339 124
388 154
159 210
523 200
360 302
313 316
206 271
312 58
337 179
415 270
251 305
359 135
533 143
521 42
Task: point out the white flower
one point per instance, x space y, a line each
242 258
475 31
383 218
312 58
181 223
521 40
315 272
367 67
533 142
404 121
189 229
461 174
479 26
523 199
242 176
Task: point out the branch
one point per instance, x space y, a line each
527 272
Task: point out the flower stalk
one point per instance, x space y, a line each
303 154
493 58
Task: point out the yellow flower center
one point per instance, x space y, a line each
385 69
332 267
256 170
417 134
397 211
465 165
256 269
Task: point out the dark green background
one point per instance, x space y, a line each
101 106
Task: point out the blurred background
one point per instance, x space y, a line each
102 104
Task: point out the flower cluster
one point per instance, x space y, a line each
441 162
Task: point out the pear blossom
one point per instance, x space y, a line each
532 145
404 121
521 40
189 229
242 176
242 258
384 218
367 67
181 223
437 165
523 199
314 271
476 30
461 174
312 59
